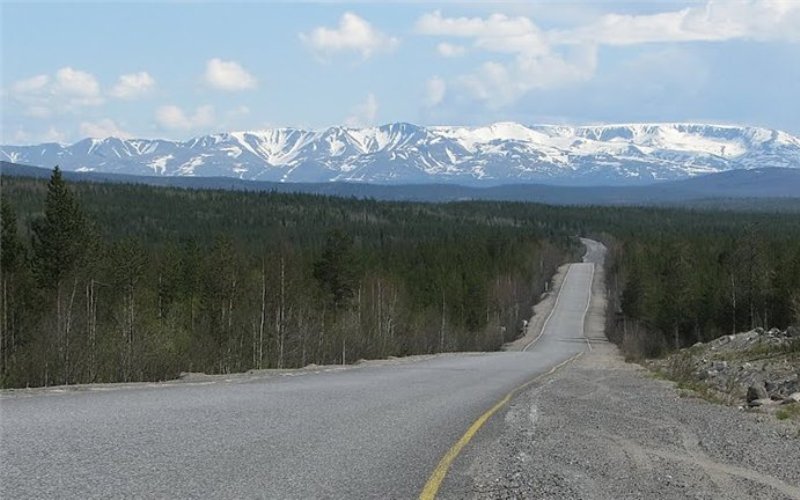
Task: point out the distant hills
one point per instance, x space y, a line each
777 188
403 153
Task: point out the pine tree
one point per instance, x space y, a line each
11 257
337 269
57 237
58 247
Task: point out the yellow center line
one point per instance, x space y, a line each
435 481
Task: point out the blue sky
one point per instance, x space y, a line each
180 69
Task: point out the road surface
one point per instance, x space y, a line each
373 431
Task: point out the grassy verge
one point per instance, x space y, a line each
789 412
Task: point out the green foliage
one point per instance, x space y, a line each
337 268
791 411
11 249
142 283
678 286
58 243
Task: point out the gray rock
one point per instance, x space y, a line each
793 332
719 365
760 402
792 398
756 392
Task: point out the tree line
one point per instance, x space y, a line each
115 282
108 283
674 287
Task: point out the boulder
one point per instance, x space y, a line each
756 392
792 398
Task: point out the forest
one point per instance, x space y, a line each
117 282
124 283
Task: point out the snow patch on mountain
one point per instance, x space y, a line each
504 152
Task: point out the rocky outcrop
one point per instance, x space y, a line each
754 368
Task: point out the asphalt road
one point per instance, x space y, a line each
370 431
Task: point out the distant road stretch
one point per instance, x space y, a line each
376 430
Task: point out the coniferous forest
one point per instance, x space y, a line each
112 282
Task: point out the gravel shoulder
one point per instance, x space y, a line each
540 312
604 428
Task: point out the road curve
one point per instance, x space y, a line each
370 431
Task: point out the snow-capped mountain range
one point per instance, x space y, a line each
402 153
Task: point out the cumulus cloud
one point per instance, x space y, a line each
228 75
450 50
500 84
364 114
435 90
174 118
67 90
534 63
353 34
102 129
542 59
79 87
133 85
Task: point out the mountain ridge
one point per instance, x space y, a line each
403 153
769 189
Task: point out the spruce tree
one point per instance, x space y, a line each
57 237
59 244
337 269
11 257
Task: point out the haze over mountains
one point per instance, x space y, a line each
771 189
402 153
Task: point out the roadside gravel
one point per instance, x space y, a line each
602 428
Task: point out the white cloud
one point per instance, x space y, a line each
173 117
53 135
228 75
20 136
535 64
498 32
133 85
450 50
354 34
501 84
433 23
364 114
35 111
81 86
68 90
549 59
29 85
759 20
102 129
435 90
